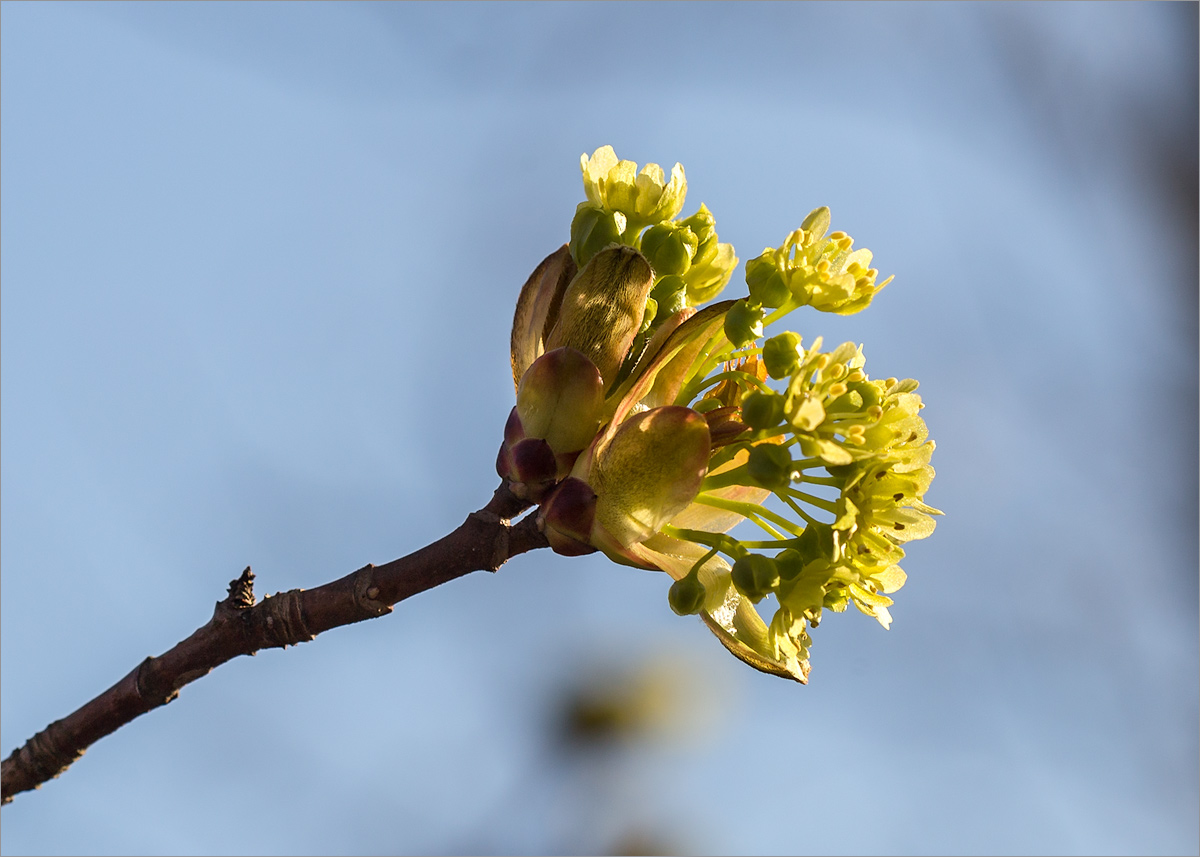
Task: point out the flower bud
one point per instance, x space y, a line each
713 263
762 410
560 398
504 462
669 247
513 430
755 576
566 517
593 229
817 542
686 596
533 467
770 465
743 322
602 308
670 293
781 354
766 282
703 225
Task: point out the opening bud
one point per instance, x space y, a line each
593 229
650 471
669 247
743 322
766 282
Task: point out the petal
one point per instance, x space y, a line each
537 309
743 632
670 202
871 604
816 225
707 282
676 557
650 183
620 187
595 169
861 256
902 525
889 579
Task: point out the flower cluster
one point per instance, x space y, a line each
648 428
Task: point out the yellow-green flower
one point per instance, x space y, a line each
713 262
814 269
644 197
648 429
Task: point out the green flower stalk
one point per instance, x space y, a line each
648 427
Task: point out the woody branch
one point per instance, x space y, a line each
239 626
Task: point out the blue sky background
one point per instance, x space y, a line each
258 266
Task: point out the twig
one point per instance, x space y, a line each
239 626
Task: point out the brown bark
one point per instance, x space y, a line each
239 626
